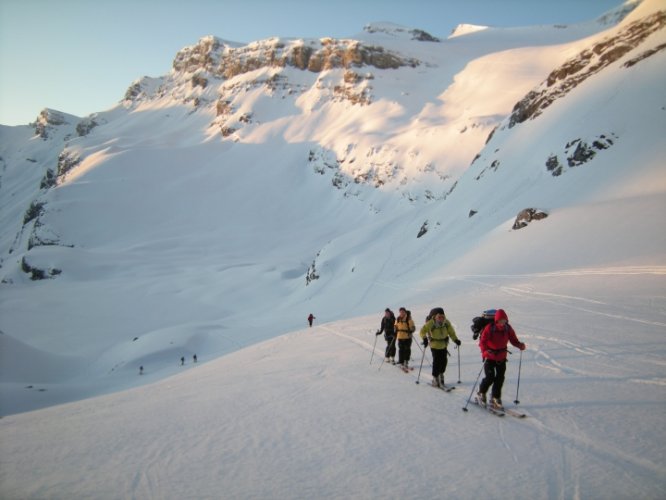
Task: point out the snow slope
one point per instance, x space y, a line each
306 415
165 239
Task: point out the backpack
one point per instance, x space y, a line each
480 322
434 311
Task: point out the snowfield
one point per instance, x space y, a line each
306 415
211 219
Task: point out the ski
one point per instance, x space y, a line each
406 369
514 413
498 413
446 388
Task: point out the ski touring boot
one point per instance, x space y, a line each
481 398
496 404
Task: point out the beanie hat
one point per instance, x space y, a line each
500 314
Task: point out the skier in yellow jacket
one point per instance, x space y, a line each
404 327
437 332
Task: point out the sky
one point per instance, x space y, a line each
80 56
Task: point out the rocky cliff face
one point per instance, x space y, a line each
225 61
588 63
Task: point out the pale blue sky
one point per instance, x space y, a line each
79 56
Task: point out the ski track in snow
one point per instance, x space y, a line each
505 441
541 296
575 440
574 443
541 345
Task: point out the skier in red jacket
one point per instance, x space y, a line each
494 340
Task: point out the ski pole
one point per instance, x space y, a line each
474 386
424 350
387 351
373 348
520 363
420 367
458 348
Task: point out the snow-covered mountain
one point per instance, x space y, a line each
217 206
293 175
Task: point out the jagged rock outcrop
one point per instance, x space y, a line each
35 209
84 127
527 215
311 273
38 274
67 160
225 61
396 30
46 120
423 230
143 87
579 151
589 62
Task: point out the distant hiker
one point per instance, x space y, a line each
436 332
404 327
388 327
141 370
311 318
182 360
494 340
194 358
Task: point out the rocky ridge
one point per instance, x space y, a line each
589 62
221 60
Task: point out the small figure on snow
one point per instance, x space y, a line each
404 327
182 360
494 340
194 358
388 327
141 370
436 332
311 318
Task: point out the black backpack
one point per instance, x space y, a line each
434 311
480 322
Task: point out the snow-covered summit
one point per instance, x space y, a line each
614 16
396 31
464 29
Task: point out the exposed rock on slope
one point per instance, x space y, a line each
589 62
224 61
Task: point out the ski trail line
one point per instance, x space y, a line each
354 340
604 452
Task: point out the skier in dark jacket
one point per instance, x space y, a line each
494 340
388 328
